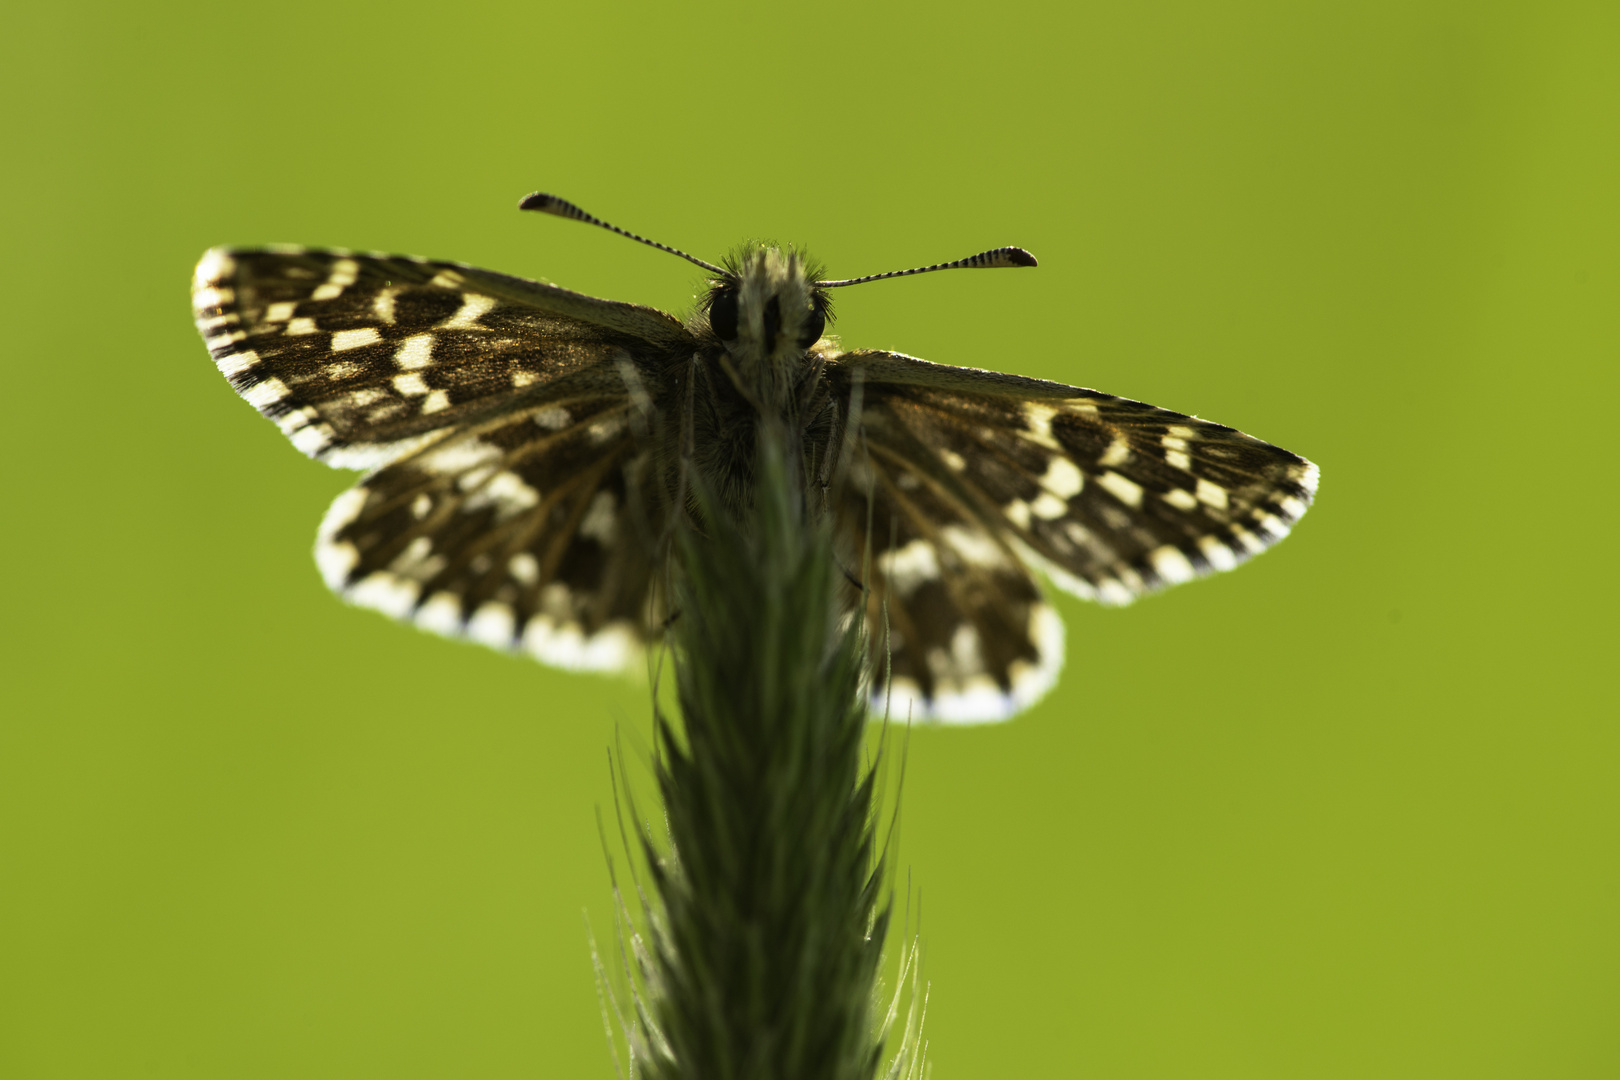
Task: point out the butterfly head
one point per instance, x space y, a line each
767 309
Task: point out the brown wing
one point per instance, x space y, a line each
511 501
536 533
1111 497
959 629
359 358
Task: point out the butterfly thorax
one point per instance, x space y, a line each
767 313
762 367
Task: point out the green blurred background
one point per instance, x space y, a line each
1349 812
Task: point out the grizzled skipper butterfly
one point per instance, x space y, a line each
526 450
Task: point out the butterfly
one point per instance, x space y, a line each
526 450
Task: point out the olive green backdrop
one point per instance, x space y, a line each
1348 812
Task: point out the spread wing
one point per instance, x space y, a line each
509 498
537 532
974 475
360 357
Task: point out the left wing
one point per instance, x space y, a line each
539 532
360 358
509 499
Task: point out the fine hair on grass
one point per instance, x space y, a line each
763 907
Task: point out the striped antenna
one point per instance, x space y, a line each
550 204
984 260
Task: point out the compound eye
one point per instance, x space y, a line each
723 314
810 332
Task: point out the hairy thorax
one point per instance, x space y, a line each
761 365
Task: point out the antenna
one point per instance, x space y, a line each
550 204
984 260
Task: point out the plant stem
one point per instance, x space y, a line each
765 958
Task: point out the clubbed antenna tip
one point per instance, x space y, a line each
984 260
550 204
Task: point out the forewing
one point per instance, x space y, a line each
1115 498
360 358
537 533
